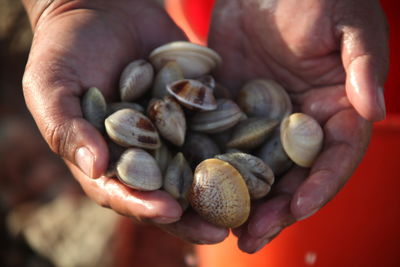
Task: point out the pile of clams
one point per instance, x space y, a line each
178 130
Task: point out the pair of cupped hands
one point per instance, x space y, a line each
331 56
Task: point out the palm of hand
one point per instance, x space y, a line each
257 39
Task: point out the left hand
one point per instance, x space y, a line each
332 58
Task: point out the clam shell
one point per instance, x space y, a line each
136 78
169 73
178 179
273 154
139 170
302 138
193 94
198 147
169 119
114 154
128 127
224 117
208 81
219 194
251 133
193 59
264 98
257 175
94 107
163 156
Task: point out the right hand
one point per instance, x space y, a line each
80 44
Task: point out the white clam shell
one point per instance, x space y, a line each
139 170
169 73
136 78
128 127
194 60
302 138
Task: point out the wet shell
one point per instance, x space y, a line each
94 107
169 73
178 179
139 170
224 117
302 138
219 194
169 119
128 127
199 147
264 98
136 78
163 156
251 133
193 59
193 95
257 175
273 154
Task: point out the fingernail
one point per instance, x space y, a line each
381 102
84 160
164 220
262 245
309 214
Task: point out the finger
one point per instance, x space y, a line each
157 206
346 139
194 229
364 39
55 107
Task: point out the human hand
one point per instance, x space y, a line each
332 57
80 44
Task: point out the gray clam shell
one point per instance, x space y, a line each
94 108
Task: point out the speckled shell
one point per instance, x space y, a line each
302 138
94 107
219 194
193 94
194 60
224 117
264 98
258 175
139 170
169 119
128 127
136 78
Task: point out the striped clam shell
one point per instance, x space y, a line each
136 78
193 94
194 60
128 127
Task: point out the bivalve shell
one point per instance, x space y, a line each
169 73
219 194
199 147
224 117
194 60
128 127
139 170
136 78
169 119
250 133
302 138
257 175
264 98
193 94
94 107
113 107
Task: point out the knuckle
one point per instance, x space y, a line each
59 137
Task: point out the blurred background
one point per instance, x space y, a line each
45 219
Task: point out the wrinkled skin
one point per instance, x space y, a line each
79 44
332 58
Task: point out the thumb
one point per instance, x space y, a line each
55 105
365 58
